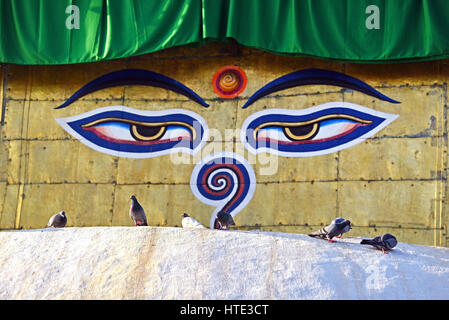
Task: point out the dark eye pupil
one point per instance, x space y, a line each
147 131
302 130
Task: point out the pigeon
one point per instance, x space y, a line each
58 220
385 242
137 213
335 229
223 221
189 222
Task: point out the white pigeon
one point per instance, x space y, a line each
189 222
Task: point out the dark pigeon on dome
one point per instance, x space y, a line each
58 220
223 221
335 229
384 243
137 213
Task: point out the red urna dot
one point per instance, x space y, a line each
229 81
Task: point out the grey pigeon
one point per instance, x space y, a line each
189 222
385 242
223 221
58 220
335 229
137 213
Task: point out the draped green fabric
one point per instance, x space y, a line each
52 32
334 29
35 31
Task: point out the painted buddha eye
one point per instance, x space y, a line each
133 133
140 133
319 130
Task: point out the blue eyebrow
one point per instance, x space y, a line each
316 76
133 77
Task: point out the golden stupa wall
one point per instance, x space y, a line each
395 181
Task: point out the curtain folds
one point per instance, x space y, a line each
78 31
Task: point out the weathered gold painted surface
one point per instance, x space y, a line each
394 182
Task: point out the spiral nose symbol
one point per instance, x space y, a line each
224 180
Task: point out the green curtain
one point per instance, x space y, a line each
36 32
334 29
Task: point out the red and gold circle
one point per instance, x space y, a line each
229 81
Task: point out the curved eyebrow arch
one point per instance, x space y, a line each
133 77
316 76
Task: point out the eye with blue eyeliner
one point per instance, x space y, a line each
314 131
321 129
138 134
126 132
143 133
